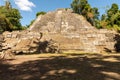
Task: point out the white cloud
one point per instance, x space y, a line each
24 5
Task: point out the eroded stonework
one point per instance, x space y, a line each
20 41
73 32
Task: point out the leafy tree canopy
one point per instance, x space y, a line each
40 13
84 8
109 20
9 18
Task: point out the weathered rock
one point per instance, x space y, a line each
67 30
21 41
73 32
17 42
1 41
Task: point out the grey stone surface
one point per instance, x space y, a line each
71 31
21 41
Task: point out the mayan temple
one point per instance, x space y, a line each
73 32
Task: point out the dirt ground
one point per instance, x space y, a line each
61 67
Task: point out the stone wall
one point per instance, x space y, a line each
1 41
73 32
98 41
89 41
21 41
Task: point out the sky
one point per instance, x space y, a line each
29 8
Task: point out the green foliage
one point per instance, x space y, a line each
84 8
80 6
103 17
114 8
116 28
9 18
111 19
31 23
8 5
40 13
14 17
4 23
75 6
37 14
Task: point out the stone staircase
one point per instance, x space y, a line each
73 32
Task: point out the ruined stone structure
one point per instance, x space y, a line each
1 41
21 41
69 30
73 32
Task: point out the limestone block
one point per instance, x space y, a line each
93 35
100 35
110 39
103 31
99 42
109 34
95 43
100 48
14 35
84 40
8 35
110 45
89 35
91 39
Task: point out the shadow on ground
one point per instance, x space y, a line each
80 67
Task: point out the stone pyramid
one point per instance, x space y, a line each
73 32
61 21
